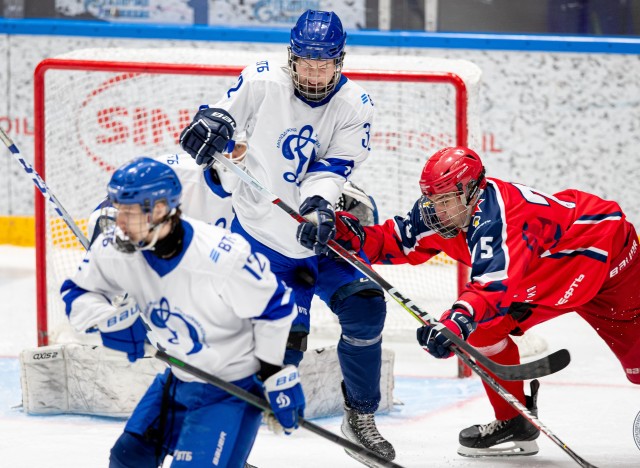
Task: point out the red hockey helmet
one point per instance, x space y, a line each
451 182
454 169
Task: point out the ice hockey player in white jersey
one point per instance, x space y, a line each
205 297
308 128
206 195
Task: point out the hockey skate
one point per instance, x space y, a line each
514 436
361 429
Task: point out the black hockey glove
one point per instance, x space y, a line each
321 227
433 341
207 134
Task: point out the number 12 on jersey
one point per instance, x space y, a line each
256 265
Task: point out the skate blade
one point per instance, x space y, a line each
361 459
357 456
508 449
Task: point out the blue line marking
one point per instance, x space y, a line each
401 39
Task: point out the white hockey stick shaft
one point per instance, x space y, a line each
44 189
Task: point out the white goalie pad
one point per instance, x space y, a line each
85 379
321 377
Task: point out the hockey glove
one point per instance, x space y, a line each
349 232
209 132
124 330
458 320
321 225
284 393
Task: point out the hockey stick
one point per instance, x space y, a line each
539 368
467 353
524 411
44 189
264 406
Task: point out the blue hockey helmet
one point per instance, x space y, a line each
145 181
317 35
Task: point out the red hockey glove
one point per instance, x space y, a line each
349 232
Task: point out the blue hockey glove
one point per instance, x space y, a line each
321 225
209 132
458 320
130 340
124 330
284 393
349 232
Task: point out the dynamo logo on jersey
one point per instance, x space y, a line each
300 147
283 400
174 328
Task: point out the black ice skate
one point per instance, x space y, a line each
515 436
361 429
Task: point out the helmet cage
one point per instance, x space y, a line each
112 233
317 35
445 226
314 93
459 201
120 240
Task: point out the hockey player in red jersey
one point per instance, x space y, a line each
533 256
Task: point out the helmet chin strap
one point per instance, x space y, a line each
155 228
470 206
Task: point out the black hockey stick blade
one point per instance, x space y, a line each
373 458
545 365
505 372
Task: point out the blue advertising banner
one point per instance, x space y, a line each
272 13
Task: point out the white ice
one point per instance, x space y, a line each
590 406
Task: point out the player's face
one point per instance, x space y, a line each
136 224
450 210
315 75
133 222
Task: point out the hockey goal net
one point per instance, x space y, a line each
98 108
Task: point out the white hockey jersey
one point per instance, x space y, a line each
296 149
203 197
217 305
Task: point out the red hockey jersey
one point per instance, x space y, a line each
522 246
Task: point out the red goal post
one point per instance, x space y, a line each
97 108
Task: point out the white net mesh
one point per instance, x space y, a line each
98 114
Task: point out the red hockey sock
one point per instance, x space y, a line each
503 410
